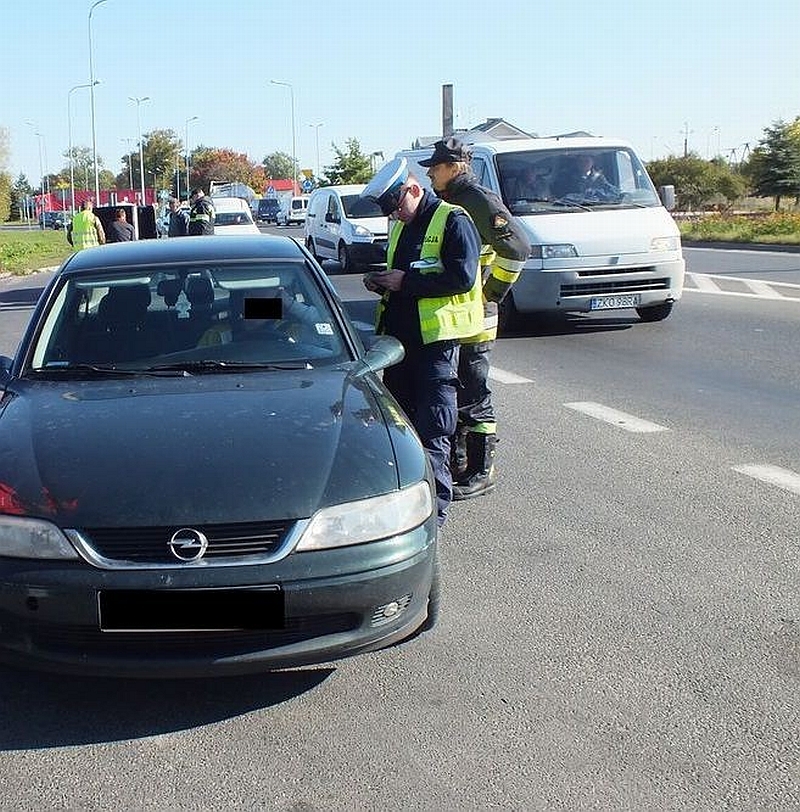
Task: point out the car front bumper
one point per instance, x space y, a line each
334 606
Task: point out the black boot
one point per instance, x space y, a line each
458 452
479 478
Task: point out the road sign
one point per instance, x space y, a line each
307 185
270 189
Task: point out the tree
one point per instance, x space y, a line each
697 183
774 166
227 166
21 191
277 166
350 166
5 177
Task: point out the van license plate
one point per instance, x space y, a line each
614 302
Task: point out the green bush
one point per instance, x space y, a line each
774 228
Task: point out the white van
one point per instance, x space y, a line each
332 232
233 216
293 212
601 237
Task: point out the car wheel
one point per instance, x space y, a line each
312 250
656 312
509 319
345 260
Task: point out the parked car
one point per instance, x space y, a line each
294 212
268 209
333 232
53 219
233 216
201 471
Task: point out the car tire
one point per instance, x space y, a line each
656 312
344 257
312 250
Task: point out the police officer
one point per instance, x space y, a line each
201 214
505 247
431 299
85 230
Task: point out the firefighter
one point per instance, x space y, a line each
505 247
201 214
431 298
85 230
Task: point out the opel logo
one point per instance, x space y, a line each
188 544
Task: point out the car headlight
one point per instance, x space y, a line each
557 251
360 231
665 243
378 517
33 538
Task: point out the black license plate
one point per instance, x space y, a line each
141 610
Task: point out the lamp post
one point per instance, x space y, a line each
186 145
294 144
92 83
39 136
69 130
130 162
139 100
316 132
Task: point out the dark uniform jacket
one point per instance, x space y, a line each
201 217
459 256
120 231
497 227
178 223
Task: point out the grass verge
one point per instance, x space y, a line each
24 251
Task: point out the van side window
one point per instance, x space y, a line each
333 215
479 168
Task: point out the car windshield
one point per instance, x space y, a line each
567 179
232 218
206 318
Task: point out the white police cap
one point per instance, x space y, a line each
385 186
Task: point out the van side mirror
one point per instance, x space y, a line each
667 195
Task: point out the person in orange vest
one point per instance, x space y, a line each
85 230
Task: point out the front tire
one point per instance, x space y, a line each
509 319
656 312
345 260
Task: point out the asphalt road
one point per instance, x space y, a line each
621 620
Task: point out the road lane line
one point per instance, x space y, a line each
506 377
762 289
705 284
617 418
772 475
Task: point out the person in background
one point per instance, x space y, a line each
201 214
505 247
178 219
430 299
121 230
85 230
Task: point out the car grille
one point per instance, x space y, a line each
177 645
151 544
613 286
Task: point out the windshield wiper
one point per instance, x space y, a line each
92 368
227 366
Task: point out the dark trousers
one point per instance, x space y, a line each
474 396
424 383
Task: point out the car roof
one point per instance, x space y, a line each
229 204
216 248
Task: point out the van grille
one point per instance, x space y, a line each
613 286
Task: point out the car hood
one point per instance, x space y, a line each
202 449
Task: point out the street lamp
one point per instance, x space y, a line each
294 145
186 145
130 162
41 165
92 83
139 100
69 129
316 128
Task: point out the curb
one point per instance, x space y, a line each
785 248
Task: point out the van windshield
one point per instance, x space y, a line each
366 207
565 179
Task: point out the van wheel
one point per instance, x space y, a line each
310 246
655 313
345 260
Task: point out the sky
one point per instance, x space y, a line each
660 74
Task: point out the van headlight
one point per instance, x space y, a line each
556 251
378 517
360 231
665 243
21 537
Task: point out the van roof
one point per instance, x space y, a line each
536 144
344 188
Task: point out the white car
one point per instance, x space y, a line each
233 216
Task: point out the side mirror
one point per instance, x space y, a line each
667 195
384 352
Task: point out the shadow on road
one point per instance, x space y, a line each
19 298
569 324
46 710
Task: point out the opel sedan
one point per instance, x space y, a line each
201 472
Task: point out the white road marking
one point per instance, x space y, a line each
757 288
617 418
762 289
506 377
705 283
772 475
